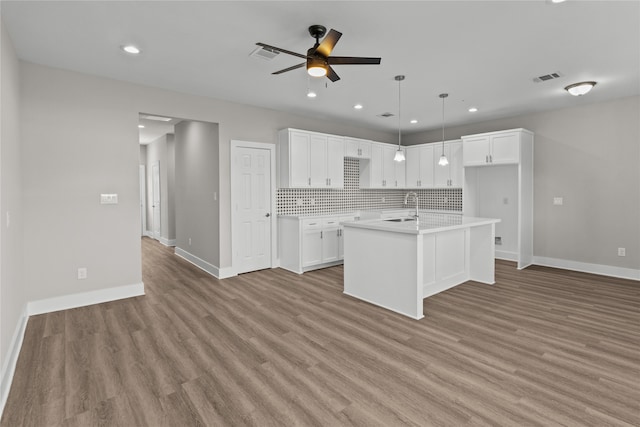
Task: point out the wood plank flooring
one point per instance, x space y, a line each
271 348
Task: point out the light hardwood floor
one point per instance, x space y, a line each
540 347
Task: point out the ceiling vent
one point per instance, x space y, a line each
264 53
155 118
546 77
385 115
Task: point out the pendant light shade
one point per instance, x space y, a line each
399 157
443 158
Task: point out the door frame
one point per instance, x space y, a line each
153 202
142 177
235 144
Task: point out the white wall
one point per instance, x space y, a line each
80 134
197 189
13 297
590 156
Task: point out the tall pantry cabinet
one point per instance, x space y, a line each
498 183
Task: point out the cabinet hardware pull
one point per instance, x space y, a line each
309 181
486 158
321 234
329 181
491 158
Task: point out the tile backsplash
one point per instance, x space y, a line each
294 201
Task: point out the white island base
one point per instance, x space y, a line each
396 265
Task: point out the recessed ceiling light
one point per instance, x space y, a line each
358 106
558 1
140 126
311 94
581 88
413 122
473 109
131 49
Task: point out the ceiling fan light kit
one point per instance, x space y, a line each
318 61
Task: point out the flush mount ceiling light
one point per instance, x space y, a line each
399 157
129 48
443 159
581 88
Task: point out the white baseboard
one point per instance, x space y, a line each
605 270
226 272
198 262
9 365
167 242
507 256
82 299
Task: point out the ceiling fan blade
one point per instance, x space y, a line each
352 60
328 43
290 68
277 49
331 74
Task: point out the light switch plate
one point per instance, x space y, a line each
108 199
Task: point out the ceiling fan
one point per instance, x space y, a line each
318 59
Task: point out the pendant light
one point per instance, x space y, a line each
399 157
443 159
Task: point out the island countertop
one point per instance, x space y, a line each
427 223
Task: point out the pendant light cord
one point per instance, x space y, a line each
399 79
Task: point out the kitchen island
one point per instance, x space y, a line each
397 262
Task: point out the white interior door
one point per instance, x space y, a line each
143 200
155 183
252 208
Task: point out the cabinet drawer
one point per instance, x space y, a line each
308 224
330 222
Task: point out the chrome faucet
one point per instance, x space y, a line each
406 200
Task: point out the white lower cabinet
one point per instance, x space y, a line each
311 242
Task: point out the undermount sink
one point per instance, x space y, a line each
400 219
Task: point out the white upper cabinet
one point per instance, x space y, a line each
419 166
310 160
293 159
381 171
357 148
451 174
493 148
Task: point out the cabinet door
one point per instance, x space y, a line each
401 171
330 244
441 173
455 164
427 153
318 161
365 150
388 166
298 160
351 147
412 171
311 247
475 151
376 167
505 148
335 162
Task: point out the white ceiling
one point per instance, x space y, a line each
484 54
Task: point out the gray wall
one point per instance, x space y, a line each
12 287
162 150
197 189
590 156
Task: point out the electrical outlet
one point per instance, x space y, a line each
498 240
299 202
384 200
622 252
189 241
558 201
82 273
312 201
505 201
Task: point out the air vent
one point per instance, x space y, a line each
546 77
155 118
264 53
386 115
